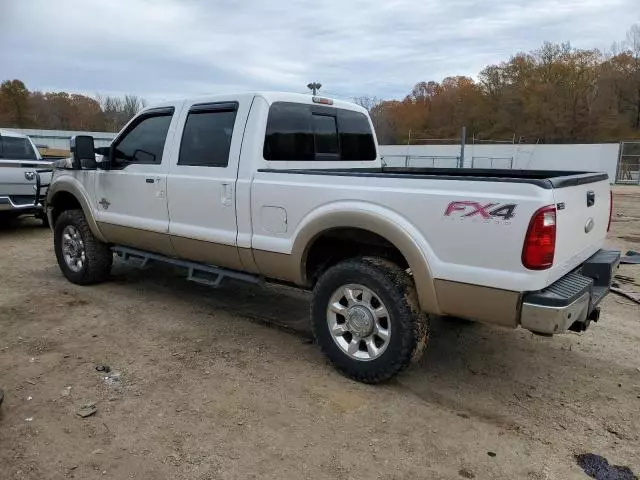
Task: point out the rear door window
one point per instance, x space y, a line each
300 132
16 148
206 139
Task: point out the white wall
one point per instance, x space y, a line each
60 138
601 157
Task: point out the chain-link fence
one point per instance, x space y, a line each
628 170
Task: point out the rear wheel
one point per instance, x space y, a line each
366 319
82 258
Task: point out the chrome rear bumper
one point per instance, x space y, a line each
571 302
549 320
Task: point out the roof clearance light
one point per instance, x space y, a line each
323 101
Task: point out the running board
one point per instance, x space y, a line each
197 272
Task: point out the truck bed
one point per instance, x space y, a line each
542 178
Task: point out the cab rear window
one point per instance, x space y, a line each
299 132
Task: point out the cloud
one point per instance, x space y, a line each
170 48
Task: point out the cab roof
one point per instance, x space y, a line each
270 97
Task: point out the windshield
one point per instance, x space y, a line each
16 148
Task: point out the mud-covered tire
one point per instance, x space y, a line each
98 256
395 288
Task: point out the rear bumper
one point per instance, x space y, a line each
571 302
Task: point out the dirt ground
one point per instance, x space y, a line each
225 384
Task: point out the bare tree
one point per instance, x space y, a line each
379 116
633 45
117 111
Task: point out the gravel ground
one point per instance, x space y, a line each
225 384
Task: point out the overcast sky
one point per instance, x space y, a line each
170 48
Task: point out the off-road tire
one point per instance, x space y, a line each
396 289
99 256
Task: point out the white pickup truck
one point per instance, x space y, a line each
24 176
290 188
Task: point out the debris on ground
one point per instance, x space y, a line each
635 297
464 473
626 279
635 260
87 410
491 454
599 468
631 257
66 392
112 379
103 368
28 419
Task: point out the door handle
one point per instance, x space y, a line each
227 194
149 180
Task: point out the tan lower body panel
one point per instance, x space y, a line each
137 238
279 266
484 304
190 249
207 252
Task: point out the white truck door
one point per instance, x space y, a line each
202 182
131 197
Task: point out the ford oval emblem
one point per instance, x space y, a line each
589 225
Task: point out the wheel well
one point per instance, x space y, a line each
61 202
333 246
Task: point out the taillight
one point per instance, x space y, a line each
610 209
540 242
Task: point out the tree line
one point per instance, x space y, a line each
555 94
21 108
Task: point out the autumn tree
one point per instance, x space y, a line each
21 108
14 103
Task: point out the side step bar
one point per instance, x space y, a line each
197 272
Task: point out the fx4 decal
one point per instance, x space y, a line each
487 211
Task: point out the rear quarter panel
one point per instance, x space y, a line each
458 245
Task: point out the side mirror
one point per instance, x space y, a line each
83 152
104 158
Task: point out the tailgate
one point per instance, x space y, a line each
582 220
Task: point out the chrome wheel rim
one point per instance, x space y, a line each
359 322
73 250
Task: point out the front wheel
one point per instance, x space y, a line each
82 258
366 319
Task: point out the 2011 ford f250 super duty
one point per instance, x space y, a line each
290 188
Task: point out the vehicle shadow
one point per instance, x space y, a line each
11 224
